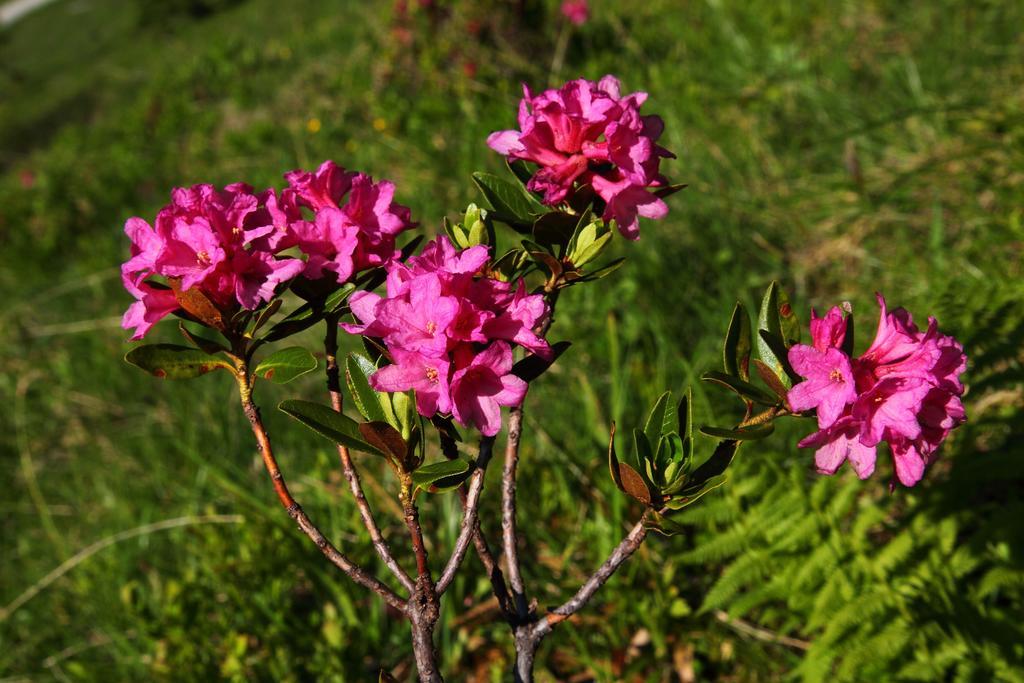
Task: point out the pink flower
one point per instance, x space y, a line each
329 243
903 390
427 375
576 11
443 315
829 386
483 385
587 134
324 188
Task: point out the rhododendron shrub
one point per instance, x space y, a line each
456 331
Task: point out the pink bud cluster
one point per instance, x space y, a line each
587 134
905 390
228 244
448 328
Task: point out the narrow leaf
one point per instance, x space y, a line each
328 423
736 349
745 390
660 421
745 434
442 476
285 365
172 361
358 369
533 366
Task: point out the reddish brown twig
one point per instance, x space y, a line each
349 468
355 572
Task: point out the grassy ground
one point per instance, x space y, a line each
842 148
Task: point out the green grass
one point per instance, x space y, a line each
841 148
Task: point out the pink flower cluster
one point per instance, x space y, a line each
905 390
449 329
586 133
228 243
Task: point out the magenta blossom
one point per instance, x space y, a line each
576 11
904 390
203 239
587 134
448 328
483 385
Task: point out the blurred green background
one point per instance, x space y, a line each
842 147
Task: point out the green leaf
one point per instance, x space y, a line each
603 271
266 314
736 349
442 476
533 366
202 343
789 324
172 361
583 256
661 420
745 434
690 495
358 369
328 423
745 390
285 365
519 170
768 320
336 299
668 190
554 228
717 464
684 415
300 319
774 342
510 202
847 347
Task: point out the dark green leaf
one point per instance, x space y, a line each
510 202
202 343
336 299
745 434
661 419
690 495
285 365
745 390
768 321
554 228
520 170
172 361
603 271
736 349
847 347
266 314
778 348
668 190
442 476
358 369
717 464
684 414
789 324
533 366
329 423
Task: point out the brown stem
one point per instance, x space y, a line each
509 537
529 636
470 526
483 549
355 572
348 467
424 605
